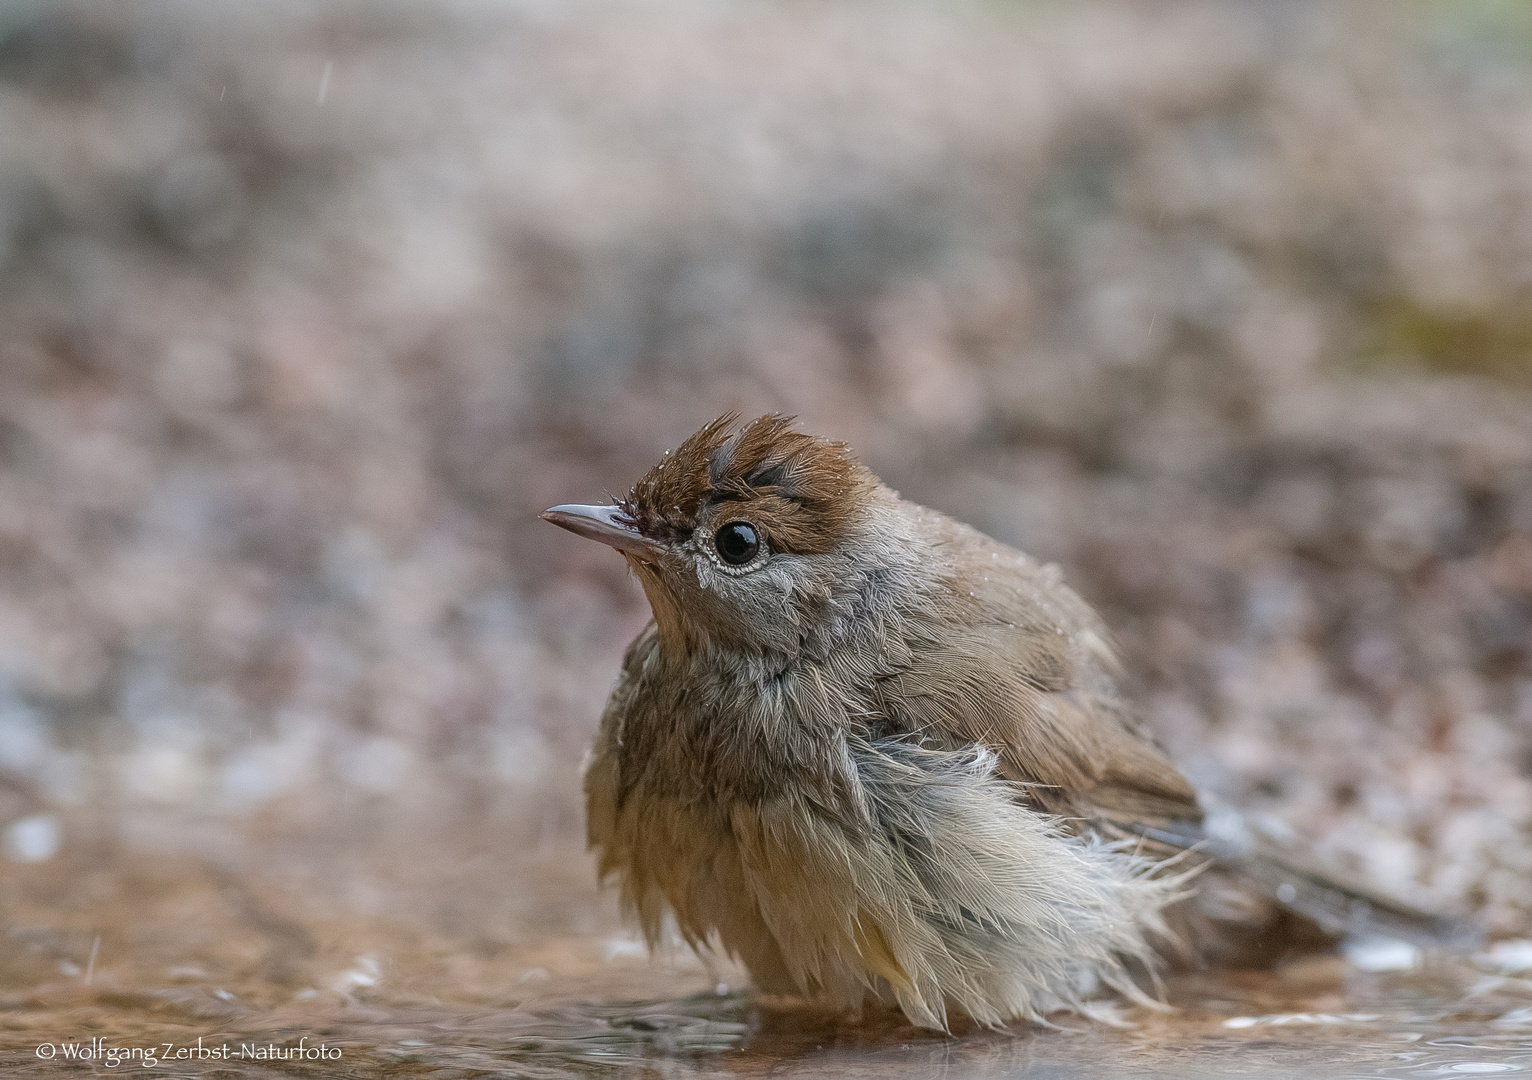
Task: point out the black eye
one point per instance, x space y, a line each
737 543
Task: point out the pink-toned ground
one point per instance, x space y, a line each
305 312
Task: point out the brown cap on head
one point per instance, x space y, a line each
803 492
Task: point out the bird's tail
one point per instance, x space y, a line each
1340 902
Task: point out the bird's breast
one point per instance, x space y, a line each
740 731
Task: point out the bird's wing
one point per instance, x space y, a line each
1082 759
1013 692
1023 667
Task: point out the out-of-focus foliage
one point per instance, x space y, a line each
305 311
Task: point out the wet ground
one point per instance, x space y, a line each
148 960
307 310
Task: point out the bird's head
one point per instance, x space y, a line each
746 537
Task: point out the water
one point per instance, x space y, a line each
573 1029
523 970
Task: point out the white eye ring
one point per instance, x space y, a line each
705 540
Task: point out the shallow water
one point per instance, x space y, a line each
124 963
576 1028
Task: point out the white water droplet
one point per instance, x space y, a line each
1381 954
33 838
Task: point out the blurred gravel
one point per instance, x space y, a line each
306 310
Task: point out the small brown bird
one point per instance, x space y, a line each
874 753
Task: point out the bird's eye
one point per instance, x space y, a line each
737 543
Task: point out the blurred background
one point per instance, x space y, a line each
306 310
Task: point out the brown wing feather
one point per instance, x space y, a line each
1074 745
1023 668
1019 663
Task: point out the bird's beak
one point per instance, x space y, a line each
601 523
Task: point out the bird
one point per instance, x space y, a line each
878 756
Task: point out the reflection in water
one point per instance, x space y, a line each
707 1034
525 972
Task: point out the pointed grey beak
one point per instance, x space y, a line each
600 523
